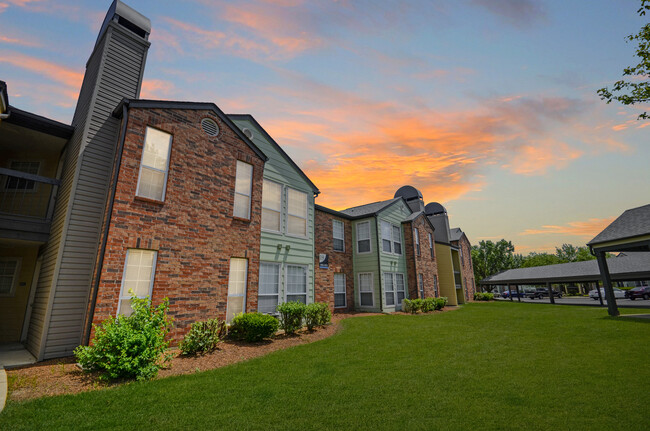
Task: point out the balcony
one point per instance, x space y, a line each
26 205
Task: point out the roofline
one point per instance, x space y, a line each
591 243
205 106
332 212
422 214
623 238
372 214
39 123
624 276
278 147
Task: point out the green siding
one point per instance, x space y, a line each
366 262
273 247
389 262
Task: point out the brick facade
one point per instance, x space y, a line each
338 261
466 267
193 230
423 264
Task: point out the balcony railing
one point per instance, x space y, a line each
27 196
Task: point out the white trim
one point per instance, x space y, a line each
250 190
15 276
238 295
277 295
372 290
152 277
334 221
397 305
345 290
391 239
286 282
166 171
306 218
270 209
416 241
369 239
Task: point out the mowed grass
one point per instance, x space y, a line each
485 366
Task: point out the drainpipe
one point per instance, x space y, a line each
380 275
93 301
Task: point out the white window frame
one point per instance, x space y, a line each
397 302
391 276
384 224
277 295
306 218
391 238
416 235
34 189
342 238
369 239
286 282
421 285
345 290
270 209
372 288
166 171
401 245
239 295
126 295
433 253
14 278
250 191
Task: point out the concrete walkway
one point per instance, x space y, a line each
11 355
3 388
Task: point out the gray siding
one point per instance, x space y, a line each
113 72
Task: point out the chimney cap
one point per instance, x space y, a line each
126 12
408 192
434 208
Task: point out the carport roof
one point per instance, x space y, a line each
632 223
632 266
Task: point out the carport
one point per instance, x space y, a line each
629 233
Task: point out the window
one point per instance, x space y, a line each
9 269
401 288
460 253
297 283
296 212
271 206
15 183
338 233
137 280
243 185
433 255
421 284
340 300
397 240
394 288
267 298
435 285
154 165
366 291
363 237
416 235
389 289
236 288
391 238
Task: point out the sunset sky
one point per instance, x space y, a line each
487 106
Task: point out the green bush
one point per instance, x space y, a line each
129 347
252 327
317 314
483 296
203 337
291 315
428 305
441 302
412 305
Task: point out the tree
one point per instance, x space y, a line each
540 259
636 90
489 258
571 253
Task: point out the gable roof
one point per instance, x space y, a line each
632 223
370 209
268 137
206 106
332 212
455 234
417 214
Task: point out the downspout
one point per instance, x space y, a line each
380 275
93 301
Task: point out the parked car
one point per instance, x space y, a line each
542 292
618 293
506 294
638 292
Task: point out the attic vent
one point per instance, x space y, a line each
248 133
210 127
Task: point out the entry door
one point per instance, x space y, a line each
236 288
389 289
395 289
400 291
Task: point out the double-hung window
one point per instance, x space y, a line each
389 289
243 187
296 283
154 165
391 238
338 234
421 284
433 256
397 240
416 235
394 288
366 290
363 237
435 285
339 290
296 212
137 280
267 300
9 269
271 206
400 287
236 287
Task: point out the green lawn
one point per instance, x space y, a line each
485 366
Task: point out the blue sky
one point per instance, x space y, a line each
487 106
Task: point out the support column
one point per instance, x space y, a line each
600 295
518 295
550 292
510 293
612 308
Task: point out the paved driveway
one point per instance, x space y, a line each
582 300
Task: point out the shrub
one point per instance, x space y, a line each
317 314
129 347
203 337
291 315
412 305
428 305
441 302
483 296
253 327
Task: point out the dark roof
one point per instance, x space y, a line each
455 233
276 145
38 123
207 106
369 209
332 212
417 214
631 266
632 223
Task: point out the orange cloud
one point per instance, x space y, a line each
156 89
538 159
16 41
588 229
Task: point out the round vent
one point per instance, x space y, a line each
248 133
210 127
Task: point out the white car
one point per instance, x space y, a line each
618 293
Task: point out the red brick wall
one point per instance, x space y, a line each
193 230
422 264
338 261
466 268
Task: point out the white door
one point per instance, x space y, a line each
236 288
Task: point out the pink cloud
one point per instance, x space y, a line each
156 89
587 229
